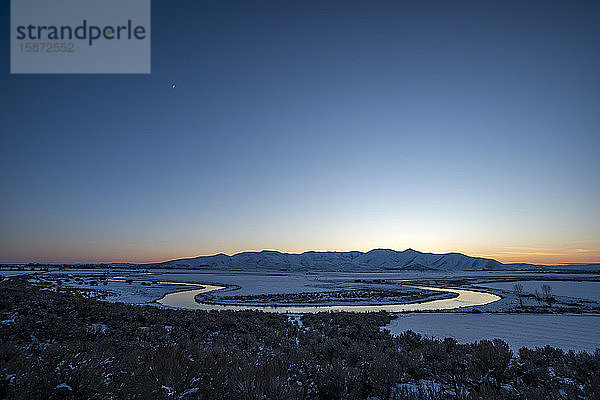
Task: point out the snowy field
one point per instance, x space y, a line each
253 283
244 283
581 290
8 273
568 332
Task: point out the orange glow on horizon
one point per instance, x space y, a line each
546 256
537 256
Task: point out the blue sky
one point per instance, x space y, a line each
315 125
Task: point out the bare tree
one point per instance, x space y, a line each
547 294
518 290
538 297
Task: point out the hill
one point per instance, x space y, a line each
374 260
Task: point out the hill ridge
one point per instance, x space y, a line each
351 261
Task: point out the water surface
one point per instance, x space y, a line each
466 298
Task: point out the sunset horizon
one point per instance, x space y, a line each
537 256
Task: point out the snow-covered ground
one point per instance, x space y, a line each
581 290
244 283
577 332
117 288
568 332
136 293
8 273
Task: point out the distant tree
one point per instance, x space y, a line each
547 294
518 290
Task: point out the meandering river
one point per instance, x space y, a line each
466 298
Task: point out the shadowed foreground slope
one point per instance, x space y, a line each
63 346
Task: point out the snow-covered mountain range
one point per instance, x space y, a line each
374 260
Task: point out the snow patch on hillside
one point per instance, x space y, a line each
374 260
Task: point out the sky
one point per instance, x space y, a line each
315 125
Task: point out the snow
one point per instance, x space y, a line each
578 332
97 328
374 260
244 283
9 273
581 290
568 332
11 320
121 291
297 318
170 391
190 392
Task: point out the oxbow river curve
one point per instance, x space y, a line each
466 298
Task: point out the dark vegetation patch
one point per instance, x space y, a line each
339 296
60 345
